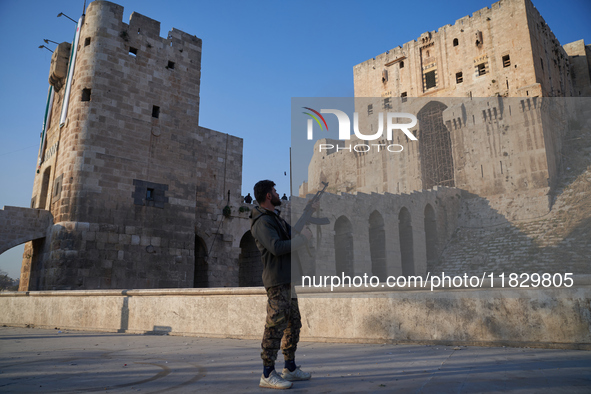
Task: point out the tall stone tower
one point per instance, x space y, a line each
135 186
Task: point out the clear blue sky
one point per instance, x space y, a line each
257 55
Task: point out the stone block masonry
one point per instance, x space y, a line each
544 318
135 183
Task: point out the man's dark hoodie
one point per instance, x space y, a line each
273 238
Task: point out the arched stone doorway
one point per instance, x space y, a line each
406 242
435 148
44 188
250 266
201 267
377 245
430 235
343 246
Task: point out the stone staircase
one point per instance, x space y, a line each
558 242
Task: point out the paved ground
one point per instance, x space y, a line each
50 361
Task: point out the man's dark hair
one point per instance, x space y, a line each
261 189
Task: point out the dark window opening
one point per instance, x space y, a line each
459 77
481 69
377 245
133 51
478 38
87 41
542 63
430 80
506 61
404 97
155 111
401 64
370 109
201 267
170 65
456 42
44 188
149 194
387 103
343 246
406 242
85 94
430 225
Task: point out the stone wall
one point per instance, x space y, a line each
490 147
133 181
580 59
485 54
547 317
379 234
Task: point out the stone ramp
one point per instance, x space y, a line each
560 241
19 225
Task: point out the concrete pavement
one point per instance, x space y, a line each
54 361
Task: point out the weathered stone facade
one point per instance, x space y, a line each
497 100
488 146
506 50
136 187
380 234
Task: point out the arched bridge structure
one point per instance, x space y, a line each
19 225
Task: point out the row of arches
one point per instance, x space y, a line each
250 267
344 243
346 239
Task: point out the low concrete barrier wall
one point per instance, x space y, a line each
543 317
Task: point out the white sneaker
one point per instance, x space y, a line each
297 374
274 381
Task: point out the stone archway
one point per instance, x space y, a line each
250 266
343 247
435 148
200 278
377 245
430 235
406 242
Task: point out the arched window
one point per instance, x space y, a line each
456 42
200 277
430 235
343 245
406 244
377 245
44 188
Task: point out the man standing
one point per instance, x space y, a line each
282 329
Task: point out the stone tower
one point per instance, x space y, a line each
135 186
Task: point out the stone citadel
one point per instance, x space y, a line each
137 190
499 103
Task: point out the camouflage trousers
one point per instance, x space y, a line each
282 328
